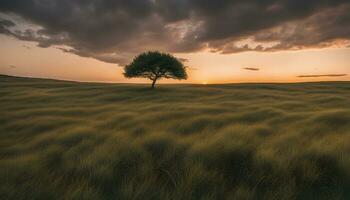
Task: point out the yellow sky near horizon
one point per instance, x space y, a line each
20 58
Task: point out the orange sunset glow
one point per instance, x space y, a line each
19 60
28 48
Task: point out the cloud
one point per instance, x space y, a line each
321 75
114 30
5 25
251 68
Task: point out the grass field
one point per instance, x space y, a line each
67 140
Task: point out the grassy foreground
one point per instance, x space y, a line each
67 140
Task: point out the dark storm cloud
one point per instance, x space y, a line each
115 30
318 30
4 25
251 68
321 75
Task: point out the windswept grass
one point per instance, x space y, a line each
66 140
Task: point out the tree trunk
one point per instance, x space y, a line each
153 83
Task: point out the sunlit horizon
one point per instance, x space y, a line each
25 59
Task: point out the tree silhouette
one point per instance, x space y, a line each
154 66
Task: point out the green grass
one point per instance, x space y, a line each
67 140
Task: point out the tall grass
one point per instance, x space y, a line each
66 140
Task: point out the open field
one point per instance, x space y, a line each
67 140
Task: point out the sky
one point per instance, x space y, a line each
221 41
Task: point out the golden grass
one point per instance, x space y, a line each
67 140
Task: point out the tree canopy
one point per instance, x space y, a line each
155 65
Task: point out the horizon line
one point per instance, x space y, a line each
145 83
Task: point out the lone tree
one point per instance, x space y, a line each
154 66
